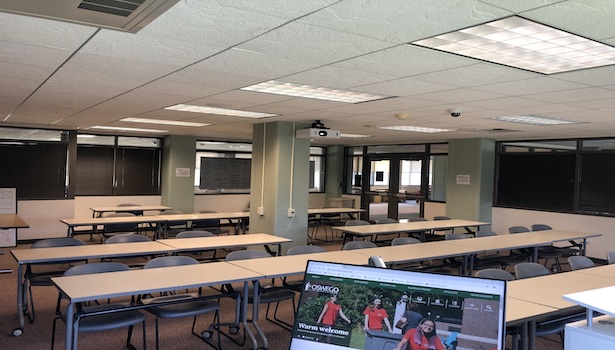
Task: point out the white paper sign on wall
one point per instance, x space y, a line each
182 172
463 179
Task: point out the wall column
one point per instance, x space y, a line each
334 172
177 185
279 181
470 173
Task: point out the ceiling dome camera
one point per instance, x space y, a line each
455 112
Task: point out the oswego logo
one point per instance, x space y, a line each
311 287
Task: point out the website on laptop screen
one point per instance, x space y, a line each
360 307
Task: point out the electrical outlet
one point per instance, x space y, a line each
291 213
260 211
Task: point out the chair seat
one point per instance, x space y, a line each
183 309
275 295
109 321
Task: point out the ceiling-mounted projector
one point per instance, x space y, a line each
318 131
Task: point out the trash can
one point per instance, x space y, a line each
381 340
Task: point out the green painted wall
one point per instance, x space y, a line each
178 152
472 161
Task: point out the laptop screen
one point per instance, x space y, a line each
360 307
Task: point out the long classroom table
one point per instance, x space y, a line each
160 221
26 257
99 211
370 231
209 243
83 288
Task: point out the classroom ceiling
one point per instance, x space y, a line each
61 75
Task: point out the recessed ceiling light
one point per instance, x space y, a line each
415 129
321 93
521 43
117 128
535 120
219 111
353 135
163 122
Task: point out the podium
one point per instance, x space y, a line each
593 332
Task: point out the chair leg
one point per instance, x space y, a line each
208 333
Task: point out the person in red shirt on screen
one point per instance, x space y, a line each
374 315
423 337
330 311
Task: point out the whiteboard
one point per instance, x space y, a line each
8 205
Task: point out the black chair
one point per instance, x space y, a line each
296 285
268 293
93 318
353 223
39 276
578 262
212 225
173 227
198 234
529 270
352 245
110 230
182 304
129 238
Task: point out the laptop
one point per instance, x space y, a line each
467 312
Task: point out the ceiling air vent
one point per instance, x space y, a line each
124 15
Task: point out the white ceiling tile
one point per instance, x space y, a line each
401 21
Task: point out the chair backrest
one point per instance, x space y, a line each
578 262
415 219
358 245
356 223
541 227
246 254
485 233
404 240
453 236
530 269
206 222
57 242
440 217
305 249
171 260
127 238
99 267
610 257
136 212
194 233
518 229
386 221
495 274
128 227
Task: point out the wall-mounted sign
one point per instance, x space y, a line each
182 172
463 179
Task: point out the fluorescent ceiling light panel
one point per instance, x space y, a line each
415 129
219 111
321 93
535 120
117 128
521 43
163 122
350 136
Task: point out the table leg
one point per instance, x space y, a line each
20 299
531 338
255 313
244 317
69 327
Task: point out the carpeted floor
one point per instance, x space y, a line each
175 333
